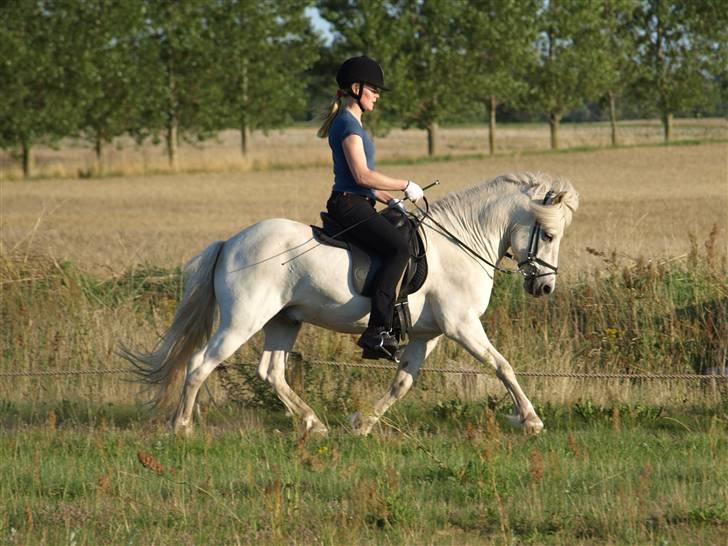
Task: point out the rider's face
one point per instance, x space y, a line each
369 97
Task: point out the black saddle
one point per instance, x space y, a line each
365 266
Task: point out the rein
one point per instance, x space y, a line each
527 267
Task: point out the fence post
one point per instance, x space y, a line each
294 367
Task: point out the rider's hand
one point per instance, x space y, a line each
396 204
413 192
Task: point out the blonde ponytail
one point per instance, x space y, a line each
334 110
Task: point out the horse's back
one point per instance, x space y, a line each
265 238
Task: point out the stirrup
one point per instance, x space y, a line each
380 352
378 349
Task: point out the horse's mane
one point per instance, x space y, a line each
472 202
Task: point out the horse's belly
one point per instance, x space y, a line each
350 317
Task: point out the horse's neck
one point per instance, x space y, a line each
484 229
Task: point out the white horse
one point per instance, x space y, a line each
245 278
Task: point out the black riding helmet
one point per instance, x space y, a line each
360 70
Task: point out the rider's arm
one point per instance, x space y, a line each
353 147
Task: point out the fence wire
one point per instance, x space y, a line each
392 367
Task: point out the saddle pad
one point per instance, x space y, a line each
363 266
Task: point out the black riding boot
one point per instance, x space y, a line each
378 342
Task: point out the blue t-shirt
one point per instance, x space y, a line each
344 125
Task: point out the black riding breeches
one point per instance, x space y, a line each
379 237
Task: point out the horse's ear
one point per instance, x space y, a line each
558 198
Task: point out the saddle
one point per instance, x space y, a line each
365 266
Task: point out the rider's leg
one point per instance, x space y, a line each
378 236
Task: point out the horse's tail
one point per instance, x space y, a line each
165 366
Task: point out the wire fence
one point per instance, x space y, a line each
392 367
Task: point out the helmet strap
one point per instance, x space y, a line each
358 96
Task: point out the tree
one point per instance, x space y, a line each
435 49
180 96
618 70
360 29
572 56
35 70
109 77
680 45
262 50
421 48
500 36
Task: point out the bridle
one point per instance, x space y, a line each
528 267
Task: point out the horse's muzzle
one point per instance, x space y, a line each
539 286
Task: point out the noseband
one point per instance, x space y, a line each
528 267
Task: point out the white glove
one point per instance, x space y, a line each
396 204
413 192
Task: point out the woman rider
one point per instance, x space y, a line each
357 186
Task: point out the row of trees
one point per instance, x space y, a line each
172 69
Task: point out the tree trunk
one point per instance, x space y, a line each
554 121
172 109
172 141
244 113
613 117
243 137
667 125
26 159
98 148
432 138
491 126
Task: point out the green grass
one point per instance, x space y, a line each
445 473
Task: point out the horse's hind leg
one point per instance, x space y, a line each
221 346
234 330
411 362
280 335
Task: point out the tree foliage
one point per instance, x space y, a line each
108 82
186 69
681 48
572 59
261 51
37 71
499 40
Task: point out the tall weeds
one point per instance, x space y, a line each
660 317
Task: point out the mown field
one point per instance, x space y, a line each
87 263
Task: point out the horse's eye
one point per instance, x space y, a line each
547 237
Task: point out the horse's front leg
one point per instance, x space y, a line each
470 334
409 366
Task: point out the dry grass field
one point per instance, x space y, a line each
298 146
638 202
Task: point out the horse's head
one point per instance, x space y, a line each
536 237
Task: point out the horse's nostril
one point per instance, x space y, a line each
546 289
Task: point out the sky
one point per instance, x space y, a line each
320 25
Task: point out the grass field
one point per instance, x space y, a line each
87 263
449 473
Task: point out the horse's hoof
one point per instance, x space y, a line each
534 425
313 426
359 425
530 425
182 431
318 430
